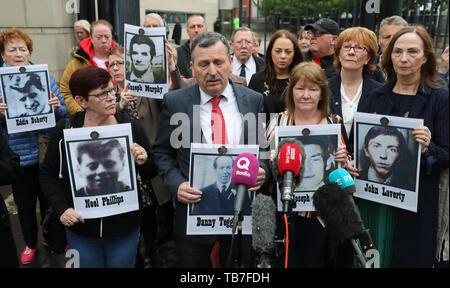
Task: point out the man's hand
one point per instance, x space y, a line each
71 217
139 154
187 194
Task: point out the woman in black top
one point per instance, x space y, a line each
282 56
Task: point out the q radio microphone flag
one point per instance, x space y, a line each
286 170
243 176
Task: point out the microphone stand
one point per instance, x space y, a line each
238 260
290 226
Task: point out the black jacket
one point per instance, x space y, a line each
334 84
326 62
57 189
183 60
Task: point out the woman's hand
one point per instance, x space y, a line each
3 107
71 217
341 155
350 167
126 97
54 102
170 59
422 135
139 154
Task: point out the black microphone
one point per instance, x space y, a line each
263 230
334 205
288 170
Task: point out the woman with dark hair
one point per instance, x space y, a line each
355 53
101 242
413 90
282 55
16 47
307 104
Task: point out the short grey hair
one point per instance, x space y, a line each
155 16
243 29
393 20
208 39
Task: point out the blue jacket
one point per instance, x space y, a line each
25 144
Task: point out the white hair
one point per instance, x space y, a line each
157 17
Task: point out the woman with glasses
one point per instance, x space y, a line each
413 90
101 242
16 47
282 56
356 50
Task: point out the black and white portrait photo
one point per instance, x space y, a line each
101 169
26 91
212 173
319 147
388 159
26 94
386 156
145 61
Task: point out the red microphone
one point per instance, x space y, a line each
244 175
289 163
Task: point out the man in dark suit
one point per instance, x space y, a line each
245 63
176 34
211 66
218 197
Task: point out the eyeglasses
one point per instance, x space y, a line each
119 64
104 94
357 48
316 33
244 42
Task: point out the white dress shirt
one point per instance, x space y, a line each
250 68
230 111
349 107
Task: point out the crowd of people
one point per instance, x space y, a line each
320 75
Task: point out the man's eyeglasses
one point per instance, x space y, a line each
119 64
104 94
244 42
357 48
316 33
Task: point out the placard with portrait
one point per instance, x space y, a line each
146 61
320 143
388 160
26 91
211 172
101 169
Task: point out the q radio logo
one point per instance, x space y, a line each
243 164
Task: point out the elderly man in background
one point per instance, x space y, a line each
245 63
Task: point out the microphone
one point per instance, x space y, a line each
286 170
334 204
263 229
244 175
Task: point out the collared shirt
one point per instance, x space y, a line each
371 176
230 111
250 68
147 77
349 107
